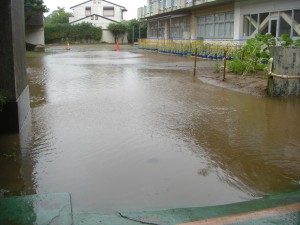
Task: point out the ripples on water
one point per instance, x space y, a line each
120 130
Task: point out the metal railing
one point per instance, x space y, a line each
271 74
159 7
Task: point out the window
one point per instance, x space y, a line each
218 25
153 29
264 23
109 11
88 11
276 23
174 2
161 29
161 5
250 25
180 27
296 28
168 3
92 17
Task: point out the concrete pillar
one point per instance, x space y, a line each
13 79
286 62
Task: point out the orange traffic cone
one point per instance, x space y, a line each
68 46
117 47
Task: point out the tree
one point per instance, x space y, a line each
86 31
138 27
33 7
117 29
58 16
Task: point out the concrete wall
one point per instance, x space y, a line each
286 62
35 36
13 79
34 29
109 38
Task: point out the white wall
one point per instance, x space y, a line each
97 8
79 11
101 22
109 38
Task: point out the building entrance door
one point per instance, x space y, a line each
273 27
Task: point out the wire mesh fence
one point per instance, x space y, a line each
214 50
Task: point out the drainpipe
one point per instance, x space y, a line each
271 74
139 31
157 29
133 34
170 29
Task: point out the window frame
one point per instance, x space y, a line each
272 16
206 25
109 9
88 11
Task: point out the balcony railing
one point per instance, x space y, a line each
162 6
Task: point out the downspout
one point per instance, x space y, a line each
170 29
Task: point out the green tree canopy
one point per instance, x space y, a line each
58 16
117 29
138 27
33 7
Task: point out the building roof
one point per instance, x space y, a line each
124 9
94 15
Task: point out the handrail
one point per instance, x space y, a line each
270 73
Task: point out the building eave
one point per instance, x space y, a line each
123 8
94 15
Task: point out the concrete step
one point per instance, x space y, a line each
273 209
52 209
56 209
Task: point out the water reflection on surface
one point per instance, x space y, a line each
136 130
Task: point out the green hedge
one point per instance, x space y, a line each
55 33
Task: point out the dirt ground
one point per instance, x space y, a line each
252 84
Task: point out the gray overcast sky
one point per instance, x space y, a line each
130 5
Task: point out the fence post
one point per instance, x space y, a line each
225 62
195 64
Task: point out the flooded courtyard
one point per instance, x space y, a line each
134 130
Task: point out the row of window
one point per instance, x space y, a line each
221 25
180 27
217 25
107 11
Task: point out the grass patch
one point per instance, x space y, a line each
30 54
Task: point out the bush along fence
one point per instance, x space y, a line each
246 56
213 50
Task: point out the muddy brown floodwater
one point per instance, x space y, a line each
134 130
